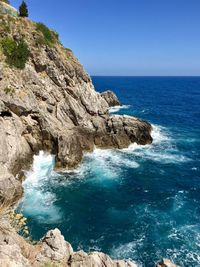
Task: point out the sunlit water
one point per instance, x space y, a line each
140 203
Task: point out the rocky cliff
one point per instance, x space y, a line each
48 102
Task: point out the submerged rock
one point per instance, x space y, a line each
111 98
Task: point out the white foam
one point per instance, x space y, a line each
128 251
117 108
38 202
111 158
163 148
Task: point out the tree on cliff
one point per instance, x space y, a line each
23 10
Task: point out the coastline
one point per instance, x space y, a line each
52 105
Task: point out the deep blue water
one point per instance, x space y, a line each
141 203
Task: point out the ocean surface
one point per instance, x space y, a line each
140 203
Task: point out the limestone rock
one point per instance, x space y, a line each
165 263
11 256
96 259
111 98
54 247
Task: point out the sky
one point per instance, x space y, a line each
126 37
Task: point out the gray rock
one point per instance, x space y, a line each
54 248
165 263
111 98
96 259
11 256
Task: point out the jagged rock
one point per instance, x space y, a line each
165 263
110 98
121 131
10 187
54 248
14 155
96 259
11 256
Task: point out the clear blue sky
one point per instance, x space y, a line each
126 37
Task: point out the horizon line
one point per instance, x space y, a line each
101 75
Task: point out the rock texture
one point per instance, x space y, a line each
52 105
110 98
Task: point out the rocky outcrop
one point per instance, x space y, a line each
52 249
110 98
55 249
52 105
165 263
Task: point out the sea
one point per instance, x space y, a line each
140 203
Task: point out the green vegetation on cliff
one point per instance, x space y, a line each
49 37
17 53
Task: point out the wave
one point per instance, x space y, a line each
36 190
117 108
163 149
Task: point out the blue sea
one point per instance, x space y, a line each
140 203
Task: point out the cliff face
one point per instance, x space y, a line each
51 104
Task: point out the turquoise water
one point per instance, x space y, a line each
140 203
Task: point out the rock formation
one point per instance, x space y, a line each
52 105
52 249
110 98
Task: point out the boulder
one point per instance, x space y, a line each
54 248
110 98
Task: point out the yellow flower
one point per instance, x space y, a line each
18 216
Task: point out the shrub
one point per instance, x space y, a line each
9 90
17 53
4 27
49 37
47 34
19 222
23 10
55 35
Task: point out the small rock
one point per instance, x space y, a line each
110 98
